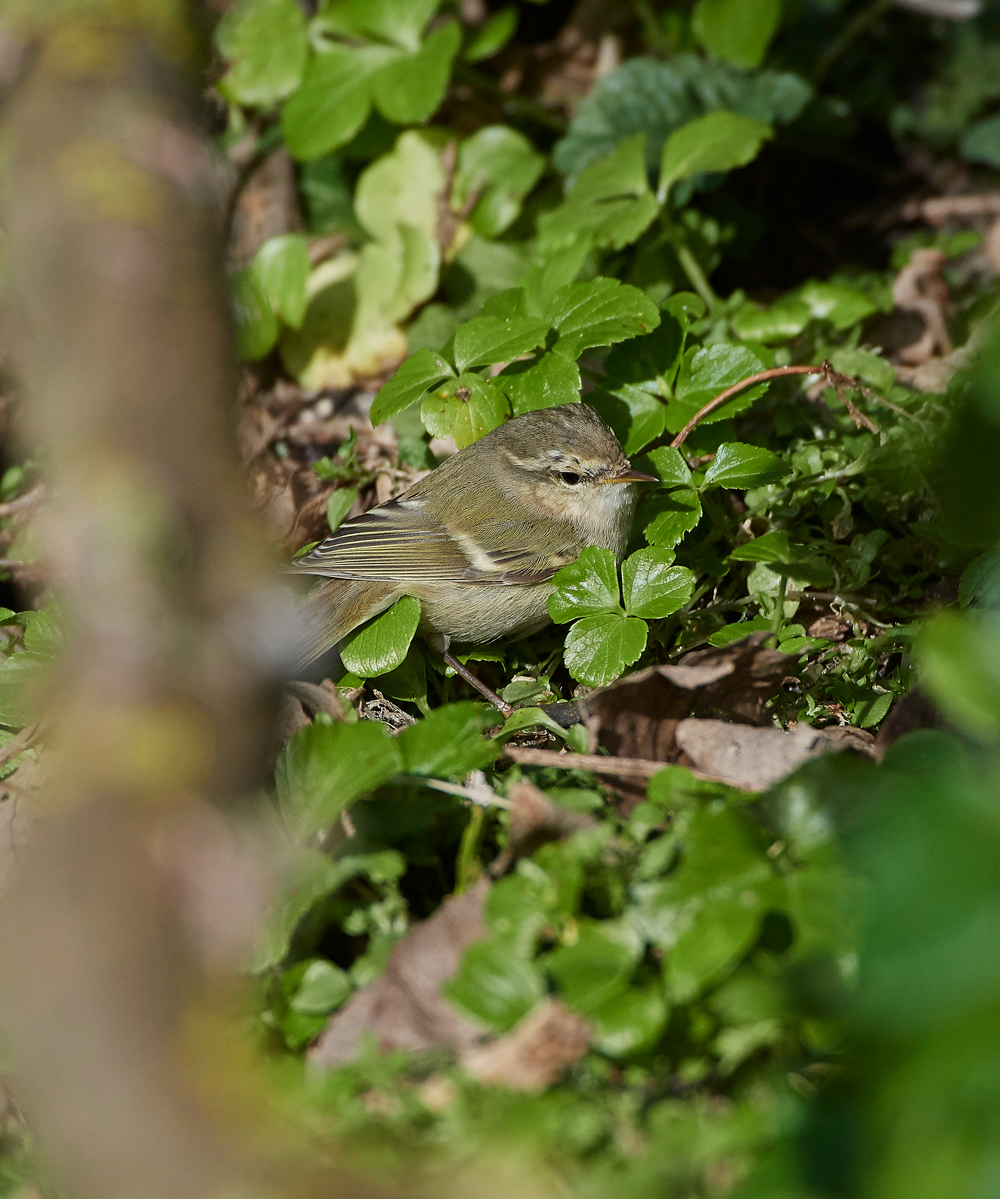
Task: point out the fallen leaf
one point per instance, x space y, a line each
404 1009
536 1052
754 759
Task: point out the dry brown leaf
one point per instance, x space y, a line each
534 820
404 1009
920 287
754 759
536 1053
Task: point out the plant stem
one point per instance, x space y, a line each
778 619
851 31
692 268
468 867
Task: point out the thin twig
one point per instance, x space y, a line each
28 500
483 797
749 381
596 763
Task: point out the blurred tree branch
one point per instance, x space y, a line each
121 340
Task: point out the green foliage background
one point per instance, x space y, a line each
795 993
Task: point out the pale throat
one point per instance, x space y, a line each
602 515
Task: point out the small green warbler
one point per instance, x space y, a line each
478 540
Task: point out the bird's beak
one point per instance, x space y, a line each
632 476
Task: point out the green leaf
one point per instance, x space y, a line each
586 586
737 631
338 505
491 37
685 307
959 656
622 173
265 43
516 910
282 269
500 166
634 416
448 743
769 547
599 313
409 88
256 327
671 467
408 681
544 382
718 141
653 97
665 517
494 985
739 465
719 936
528 718
488 339
599 648
739 31
326 766
841 306
707 372
980 582
781 322
981 142
322 987
653 587
647 360
464 408
595 968
381 645
425 369
333 101
20 675
632 1022
402 188
399 21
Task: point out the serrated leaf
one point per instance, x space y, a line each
548 380
333 101
648 96
381 645
665 517
425 369
671 467
653 587
508 304
709 371
718 141
648 359
447 744
326 766
599 313
338 505
256 326
599 648
488 339
739 31
408 89
464 409
634 416
739 465
282 269
586 586
500 166
266 44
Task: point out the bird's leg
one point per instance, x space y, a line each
480 686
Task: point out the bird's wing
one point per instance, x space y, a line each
402 541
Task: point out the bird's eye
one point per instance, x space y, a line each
568 476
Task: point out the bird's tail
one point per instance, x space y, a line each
335 607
